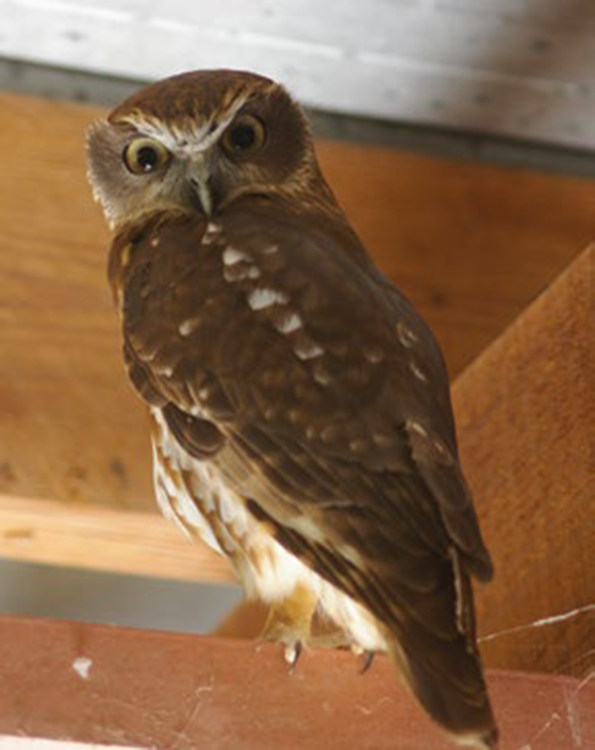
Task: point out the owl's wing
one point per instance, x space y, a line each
283 335
271 337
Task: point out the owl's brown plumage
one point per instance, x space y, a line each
301 412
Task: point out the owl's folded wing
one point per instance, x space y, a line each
282 355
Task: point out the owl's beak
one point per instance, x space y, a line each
199 175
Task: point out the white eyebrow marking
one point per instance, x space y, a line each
321 374
196 138
259 299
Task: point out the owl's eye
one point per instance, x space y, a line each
246 135
145 155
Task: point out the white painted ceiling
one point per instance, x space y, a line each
522 68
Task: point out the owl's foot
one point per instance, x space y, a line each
289 622
276 631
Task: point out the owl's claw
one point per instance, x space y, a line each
293 651
368 661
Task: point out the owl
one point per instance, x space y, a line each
300 409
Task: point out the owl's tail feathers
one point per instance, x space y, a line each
447 679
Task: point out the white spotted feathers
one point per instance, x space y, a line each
239 265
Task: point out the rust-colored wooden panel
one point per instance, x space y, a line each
110 685
526 416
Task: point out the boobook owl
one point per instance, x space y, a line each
301 417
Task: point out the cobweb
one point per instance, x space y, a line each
558 641
582 663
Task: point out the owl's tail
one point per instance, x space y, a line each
436 654
447 680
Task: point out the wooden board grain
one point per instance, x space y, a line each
109 685
526 417
104 539
71 429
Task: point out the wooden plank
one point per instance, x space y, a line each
104 539
98 684
526 416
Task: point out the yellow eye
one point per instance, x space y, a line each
245 135
145 155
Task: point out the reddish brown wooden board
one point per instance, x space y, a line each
526 417
178 692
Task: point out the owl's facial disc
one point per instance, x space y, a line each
199 142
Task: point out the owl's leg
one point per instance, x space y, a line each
289 621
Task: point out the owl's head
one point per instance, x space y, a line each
199 140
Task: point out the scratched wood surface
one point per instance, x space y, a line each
108 685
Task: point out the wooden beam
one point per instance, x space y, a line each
97 684
526 416
104 539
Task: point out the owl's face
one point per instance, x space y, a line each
197 141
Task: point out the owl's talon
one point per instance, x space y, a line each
368 661
293 652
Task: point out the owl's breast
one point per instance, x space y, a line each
195 495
